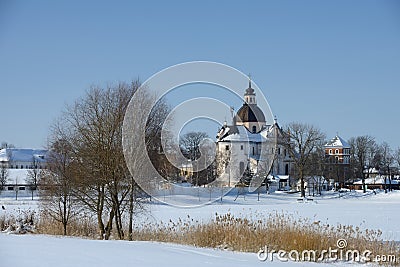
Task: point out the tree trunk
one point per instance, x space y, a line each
303 191
130 227
118 216
99 210
65 227
65 216
363 184
109 225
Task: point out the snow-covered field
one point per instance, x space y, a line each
43 251
380 211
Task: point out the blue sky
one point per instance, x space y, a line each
334 64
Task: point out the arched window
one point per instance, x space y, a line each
254 129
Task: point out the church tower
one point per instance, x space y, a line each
250 115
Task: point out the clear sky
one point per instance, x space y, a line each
334 64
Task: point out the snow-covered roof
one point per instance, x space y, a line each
23 155
378 180
240 133
337 141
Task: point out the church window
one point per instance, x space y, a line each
241 147
227 147
253 150
254 129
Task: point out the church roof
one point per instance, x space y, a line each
337 141
240 133
250 113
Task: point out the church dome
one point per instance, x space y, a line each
250 113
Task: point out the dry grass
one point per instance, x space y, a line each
82 226
278 231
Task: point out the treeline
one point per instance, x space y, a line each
305 143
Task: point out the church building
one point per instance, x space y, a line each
257 144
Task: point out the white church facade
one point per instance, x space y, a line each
254 144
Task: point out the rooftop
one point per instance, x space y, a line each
337 141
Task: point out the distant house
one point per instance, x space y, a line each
337 154
278 183
378 182
23 158
18 165
17 184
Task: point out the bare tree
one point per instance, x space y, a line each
190 144
93 127
156 124
33 176
396 156
304 141
363 150
152 146
6 145
4 165
57 198
3 175
383 160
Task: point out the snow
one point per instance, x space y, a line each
243 135
17 176
42 251
355 208
368 210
